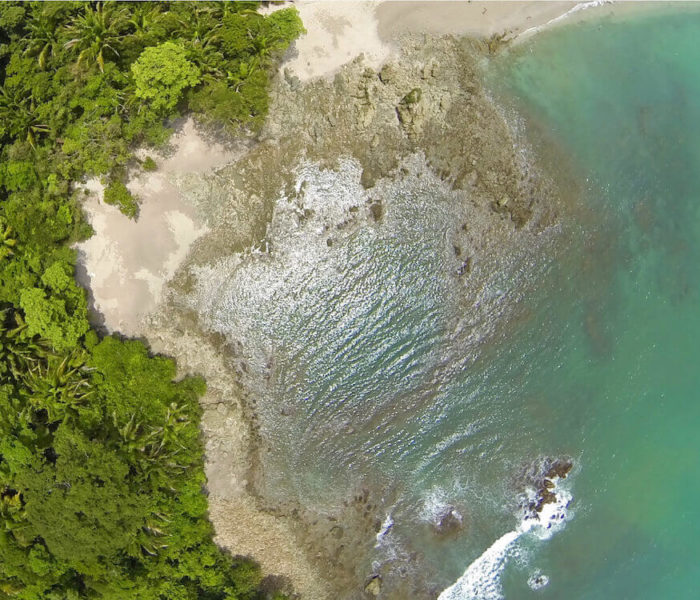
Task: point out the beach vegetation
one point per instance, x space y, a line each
117 194
161 73
101 461
149 164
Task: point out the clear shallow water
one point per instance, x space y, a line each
368 370
623 379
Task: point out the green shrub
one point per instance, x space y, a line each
149 164
117 194
161 74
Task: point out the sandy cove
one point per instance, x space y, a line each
129 267
126 264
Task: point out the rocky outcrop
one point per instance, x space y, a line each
540 479
431 100
374 586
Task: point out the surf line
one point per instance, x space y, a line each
482 578
578 8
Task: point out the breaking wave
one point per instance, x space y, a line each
482 578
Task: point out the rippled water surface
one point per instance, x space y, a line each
372 364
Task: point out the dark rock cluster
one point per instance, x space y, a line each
449 521
541 477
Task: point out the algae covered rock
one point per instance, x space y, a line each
374 586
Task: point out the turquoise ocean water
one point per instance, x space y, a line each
620 370
368 371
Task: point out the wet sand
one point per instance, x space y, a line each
477 19
340 31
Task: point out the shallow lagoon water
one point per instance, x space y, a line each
368 370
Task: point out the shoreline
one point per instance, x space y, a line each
127 263
374 28
597 10
233 501
312 122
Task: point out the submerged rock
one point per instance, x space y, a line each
448 521
374 586
537 581
376 210
387 74
410 112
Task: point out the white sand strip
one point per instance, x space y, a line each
127 263
337 32
480 19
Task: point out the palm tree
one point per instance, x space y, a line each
154 450
14 517
237 78
150 538
145 21
7 240
200 23
18 116
198 28
57 385
42 39
223 9
97 31
17 353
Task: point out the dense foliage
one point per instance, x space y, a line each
101 478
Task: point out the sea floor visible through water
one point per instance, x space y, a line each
376 286
361 328
372 376
409 355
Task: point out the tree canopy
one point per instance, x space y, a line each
101 463
161 73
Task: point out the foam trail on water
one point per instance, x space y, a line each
578 8
385 529
482 579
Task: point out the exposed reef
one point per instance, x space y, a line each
430 103
540 481
448 522
430 99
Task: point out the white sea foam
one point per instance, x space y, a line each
434 504
537 581
387 524
439 503
482 579
578 8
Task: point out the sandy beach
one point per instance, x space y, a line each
339 31
127 266
478 19
126 263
